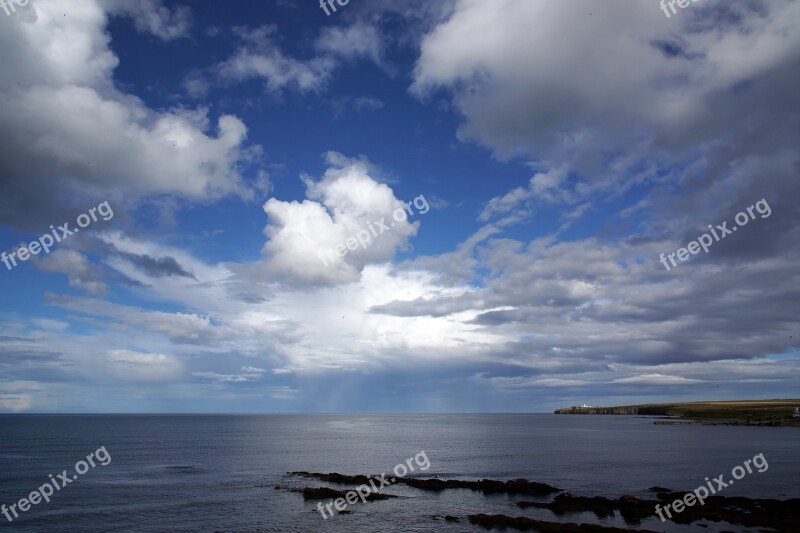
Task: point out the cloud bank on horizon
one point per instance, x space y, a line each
561 146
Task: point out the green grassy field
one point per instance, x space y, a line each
738 409
732 409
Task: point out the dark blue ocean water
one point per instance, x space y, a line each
218 472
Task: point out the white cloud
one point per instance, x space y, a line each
352 42
283 393
369 103
658 379
522 382
50 324
139 366
152 17
68 129
625 72
260 58
246 374
544 187
80 272
16 403
346 201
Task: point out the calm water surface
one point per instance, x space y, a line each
219 472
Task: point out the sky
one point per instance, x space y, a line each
399 206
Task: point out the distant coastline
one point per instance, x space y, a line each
778 412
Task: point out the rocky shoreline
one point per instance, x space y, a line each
487 486
780 515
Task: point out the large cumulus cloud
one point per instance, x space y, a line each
345 203
69 136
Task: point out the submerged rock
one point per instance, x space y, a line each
780 515
529 524
325 493
322 493
333 477
487 486
567 503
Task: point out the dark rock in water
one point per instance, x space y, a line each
322 493
528 524
334 477
449 518
780 515
487 486
325 493
634 510
287 489
567 503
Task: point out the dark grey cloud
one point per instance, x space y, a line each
9 338
157 267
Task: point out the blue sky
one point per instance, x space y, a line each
554 152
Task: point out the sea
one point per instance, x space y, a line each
230 473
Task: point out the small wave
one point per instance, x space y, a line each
182 469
